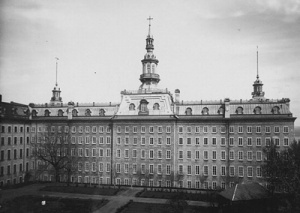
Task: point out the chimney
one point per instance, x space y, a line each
177 96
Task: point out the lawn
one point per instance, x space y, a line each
82 190
33 204
135 207
197 196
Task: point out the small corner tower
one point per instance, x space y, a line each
258 85
56 99
149 78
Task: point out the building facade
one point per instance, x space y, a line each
152 137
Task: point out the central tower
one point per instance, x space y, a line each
149 78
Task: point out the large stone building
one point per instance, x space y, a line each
151 137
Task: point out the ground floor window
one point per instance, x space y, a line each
118 181
189 184
168 183
197 184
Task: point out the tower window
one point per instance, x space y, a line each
88 112
101 112
47 113
257 110
205 111
143 107
153 68
156 106
60 113
239 110
131 107
148 68
188 111
275 110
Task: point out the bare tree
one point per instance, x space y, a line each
56 152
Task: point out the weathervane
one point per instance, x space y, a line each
150 18
56 70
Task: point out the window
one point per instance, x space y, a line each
168 141
268 129
143 129
231 129
108 153
197 170
231 141
214 141
258 155
168 154
126 168
188 111
143 153
180 141
135 141
223 129
249 129
276 129
151 154
87 166
180 129
86 152
108 140
168 169
118 153
180 155
131 107
159 154
80 152
189 141
285 141
159 129
118 141
189 154
189 169
205 155
205 141
159 141
240 128
134 168
126 129
285 129
258 141
87 139
231 155
197 154
79 166
249 171
180 169
94 140
214 155
249 155
231 171
268 141
197 129
239 110
205 129
241 155
240 141
126 153
134 129
151 168
151 141
241 171
205 170
223 170
223 141
258 129
151 129
107 129
223 155
159 169
277 141
188 129
258 172
118 168
143 141
249 141
205 111
214 129
197 141
168 129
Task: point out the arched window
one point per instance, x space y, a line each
257 110
74 113
34 113
275 110
131 107
143 107
239 110
101 112
153 68
47 113
221 111
156 106
88 112
60 113
148 68
205 111
188 111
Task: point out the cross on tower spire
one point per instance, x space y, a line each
149 19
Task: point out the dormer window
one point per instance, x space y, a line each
101 112
221 111
205 111
14 111
47 113
131 107
88 112
60 113
239 110
143 107
275 110
74 113
188 111
257 110
156 106
34 113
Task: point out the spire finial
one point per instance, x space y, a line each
150 18
257 76
56 70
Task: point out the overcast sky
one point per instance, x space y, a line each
207 49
